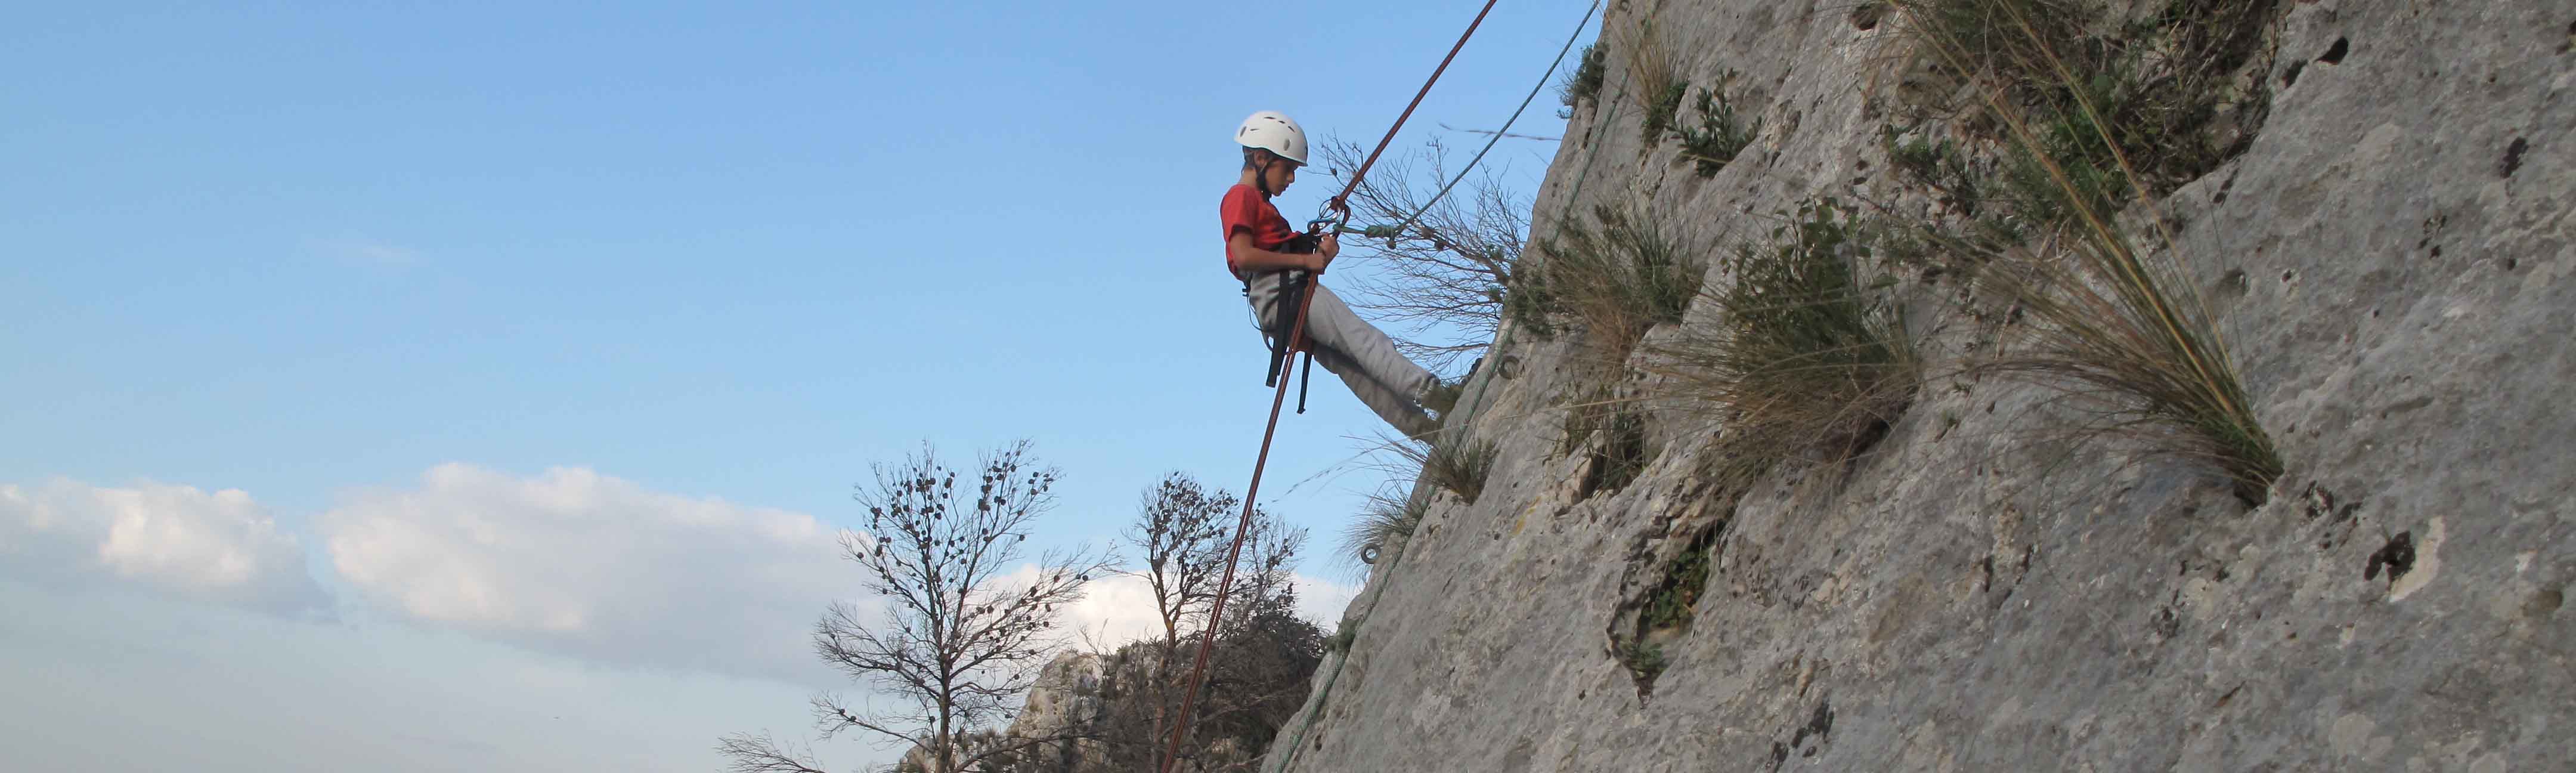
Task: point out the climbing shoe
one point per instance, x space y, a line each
1443 396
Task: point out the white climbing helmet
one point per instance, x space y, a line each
1268 130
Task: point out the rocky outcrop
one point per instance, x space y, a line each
1097 713
2386 248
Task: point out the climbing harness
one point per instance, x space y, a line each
1337 212
1289 282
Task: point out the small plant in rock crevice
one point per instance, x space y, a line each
1527 301
1943 167
2064 168
1664 613
1644 662
1614 432
1676 602
1583 86
1660 109
1620 457
1720 135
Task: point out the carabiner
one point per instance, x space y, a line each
1326 222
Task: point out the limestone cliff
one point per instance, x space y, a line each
2378 219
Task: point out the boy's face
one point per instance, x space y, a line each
1282 172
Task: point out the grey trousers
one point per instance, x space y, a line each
1357 351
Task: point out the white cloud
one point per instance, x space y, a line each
586 564
219 546
1115 609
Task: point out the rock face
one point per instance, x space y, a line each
1067 699
1069 694
2389 257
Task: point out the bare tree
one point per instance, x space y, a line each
958 638
1182 529
762 754
1445 274
1264 657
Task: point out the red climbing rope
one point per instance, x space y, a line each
1296 337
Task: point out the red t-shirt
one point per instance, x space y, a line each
1246 210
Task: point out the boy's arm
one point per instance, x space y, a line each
1251 258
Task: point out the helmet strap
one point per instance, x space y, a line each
1261 173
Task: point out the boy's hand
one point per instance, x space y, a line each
1325 249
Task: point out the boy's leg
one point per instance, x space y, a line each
1358 352
1330 324
1399 410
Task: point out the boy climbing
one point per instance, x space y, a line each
1274 262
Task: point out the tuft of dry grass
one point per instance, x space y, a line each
2107 326
1458 464
1809 362
2117 326
1655 73
1616 278
1383 528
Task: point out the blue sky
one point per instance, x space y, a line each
356 287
